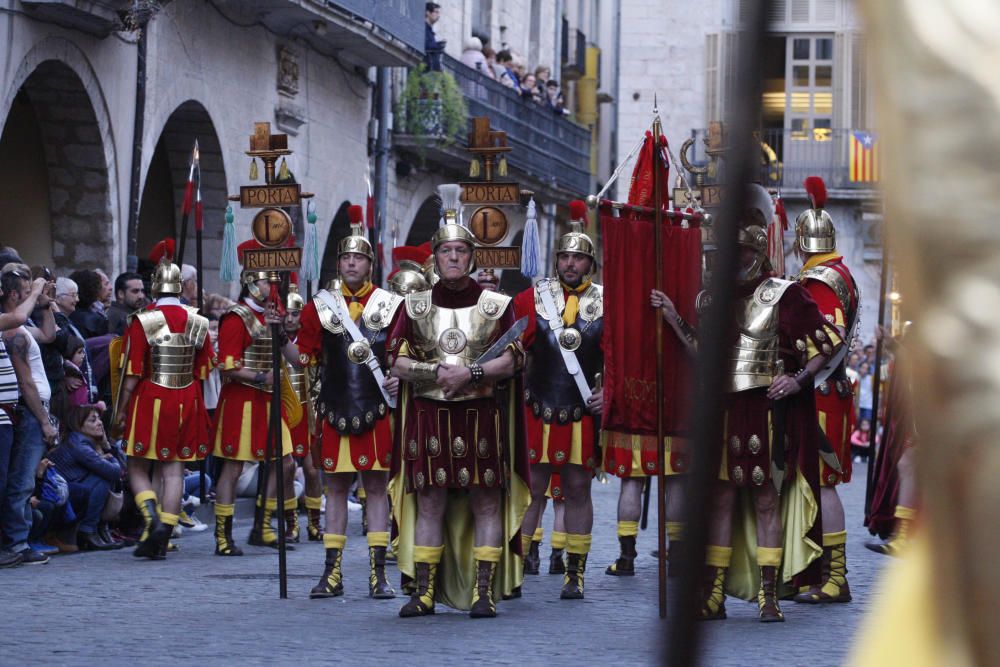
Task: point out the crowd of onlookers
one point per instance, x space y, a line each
63 484
506 66
860 365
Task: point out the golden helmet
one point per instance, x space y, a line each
166 275
454 232
408 278
294 300
357 241
814 230
753 236
248 279
575 240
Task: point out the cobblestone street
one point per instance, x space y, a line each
195 608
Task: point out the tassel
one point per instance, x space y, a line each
530 244
310 250
229 268
502 167
253 169
283 173
474 169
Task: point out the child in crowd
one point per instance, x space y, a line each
74 382
861 441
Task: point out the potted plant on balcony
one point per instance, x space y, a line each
432 105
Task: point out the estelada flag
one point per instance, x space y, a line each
863 157
630 321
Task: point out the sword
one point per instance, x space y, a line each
498 347
826 452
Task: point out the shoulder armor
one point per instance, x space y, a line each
196 329
832 279
327 318
592 303
558 298
154 324
192 310
380 309
418 304
492 304
254 327
771 290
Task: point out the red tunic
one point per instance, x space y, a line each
242 416
302 437
163 423
370 450
554 443
834 398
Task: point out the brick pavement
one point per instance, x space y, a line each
195 608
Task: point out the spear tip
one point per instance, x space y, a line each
195 153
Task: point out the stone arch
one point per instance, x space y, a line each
339 228
164 183
425 221
57 155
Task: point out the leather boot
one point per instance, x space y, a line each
225 545
105 534
532 561
378 584
331 583
833 586
264 535
576 565
483 605
767 598
91 542
292 525
713 597
625 565
896 541
557 565
314 528
157 534
421 602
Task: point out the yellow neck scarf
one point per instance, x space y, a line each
572 308
816 260
354 305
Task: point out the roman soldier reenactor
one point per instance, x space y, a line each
343 334
245 359
303 440
771 439
167 352
462 444
562 395
832 287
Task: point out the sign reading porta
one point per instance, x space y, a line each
261 196
500 257
491 193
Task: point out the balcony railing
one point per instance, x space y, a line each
549 148
787 157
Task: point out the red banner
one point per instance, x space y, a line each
630 322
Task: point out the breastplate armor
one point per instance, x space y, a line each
257 357
297 378
457 336
551 392
172 354
754 356
350 398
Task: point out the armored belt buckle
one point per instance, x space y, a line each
570 339
359 351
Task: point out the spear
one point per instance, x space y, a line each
198 227
186 206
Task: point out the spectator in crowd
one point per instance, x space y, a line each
865 390
91 468
432 47
529 91
130 296
50 511
218 305
32 428
9 396
493 69
74 383
9 255
472 55
555 98
542 74
508 76
861 440
67 297
102 304
189 285
89 322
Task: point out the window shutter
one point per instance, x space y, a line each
712 80
859 83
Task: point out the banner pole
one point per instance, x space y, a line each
661 496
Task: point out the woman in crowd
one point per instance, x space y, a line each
90 291
91 468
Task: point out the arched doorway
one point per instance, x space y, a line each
166 178
339 228
425 222
57 192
